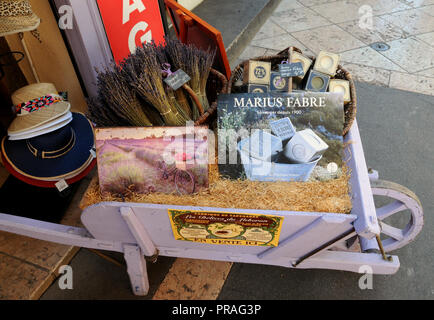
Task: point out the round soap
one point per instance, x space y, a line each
299 151
339 88
326 62
317 83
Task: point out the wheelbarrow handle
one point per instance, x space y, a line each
53 232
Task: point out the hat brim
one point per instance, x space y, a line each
51 126
20 158
12 25
48 184
39 117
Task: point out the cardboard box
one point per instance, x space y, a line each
327 62
257 72
142 156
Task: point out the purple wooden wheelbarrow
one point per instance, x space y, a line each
307 239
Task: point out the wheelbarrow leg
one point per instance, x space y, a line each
136 266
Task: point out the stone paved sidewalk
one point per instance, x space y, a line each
407 26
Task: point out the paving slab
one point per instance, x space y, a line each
95 278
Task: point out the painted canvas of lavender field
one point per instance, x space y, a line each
152 159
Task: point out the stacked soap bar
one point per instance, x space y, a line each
305 61
338 85
263 145
258 76
302 146
320 77
277 83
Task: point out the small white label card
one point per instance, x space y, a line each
177 79
291 69
61 185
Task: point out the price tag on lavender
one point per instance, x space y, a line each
177 79
287 70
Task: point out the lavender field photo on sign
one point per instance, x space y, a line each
152 159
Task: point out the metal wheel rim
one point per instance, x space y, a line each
178 184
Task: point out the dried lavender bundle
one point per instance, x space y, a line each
119 97
143 72
179 95
205 65
152 113
99 114
95 115
196 63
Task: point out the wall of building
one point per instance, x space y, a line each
51 59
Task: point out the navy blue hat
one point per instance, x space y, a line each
55 155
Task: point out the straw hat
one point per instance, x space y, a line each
44 113
51 126
17 16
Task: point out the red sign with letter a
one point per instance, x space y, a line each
128 23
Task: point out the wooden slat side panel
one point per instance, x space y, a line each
104 221
363 201
308 239
334 260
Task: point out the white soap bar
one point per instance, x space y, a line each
263 145
338 85
305 61
305 146
327 63
283 128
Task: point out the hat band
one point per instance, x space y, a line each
15 8
36 104
52 154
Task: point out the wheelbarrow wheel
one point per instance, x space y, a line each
403 200
184 182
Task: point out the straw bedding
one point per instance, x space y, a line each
319 196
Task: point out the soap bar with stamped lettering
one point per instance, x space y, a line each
257 72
